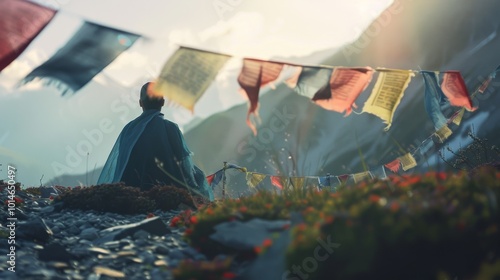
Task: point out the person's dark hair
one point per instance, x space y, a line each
150 102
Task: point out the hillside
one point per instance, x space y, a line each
409 35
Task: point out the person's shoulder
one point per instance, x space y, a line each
171 124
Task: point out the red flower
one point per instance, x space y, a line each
329 219
150 215
228 275
188 231
175 220
257 250
441 175
209 211
394 207
374 198
267 242
193 220
243 209
302 227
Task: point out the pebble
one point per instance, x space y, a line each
61 244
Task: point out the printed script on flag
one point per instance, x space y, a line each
407 161
387 93
187 74
20 23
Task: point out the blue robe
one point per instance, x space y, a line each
144 141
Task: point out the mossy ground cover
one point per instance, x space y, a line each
422 226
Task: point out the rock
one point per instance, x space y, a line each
89 234
162 250
176 254
34 230
73 230
47 209
245 236
153 226
20 214
55 252
272 261
46 192
141 235
147 257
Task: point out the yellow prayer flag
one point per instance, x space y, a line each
443 133
458 118
253 179
387 93
297 182
187 75
361 176
407 161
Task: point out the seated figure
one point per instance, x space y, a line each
151 150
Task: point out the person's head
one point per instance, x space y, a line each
148 100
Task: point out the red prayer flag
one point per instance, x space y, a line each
276 181
346 84
210 179
454 88
254 75
343 178
20 23
394 165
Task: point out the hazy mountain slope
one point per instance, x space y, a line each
427 34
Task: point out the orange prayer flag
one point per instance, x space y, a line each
454 88
346 84
394 165
254 75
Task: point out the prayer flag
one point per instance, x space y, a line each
387 94
311 80
443 133
394 165
253 179
379 173
297 182
458 116
486 83
361 176
89 51
433 99
343 178
215 178
454 88
346 84
234 166
187 74
407 161
20 23
328 182
254 75
279 182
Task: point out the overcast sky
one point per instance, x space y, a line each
39 128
